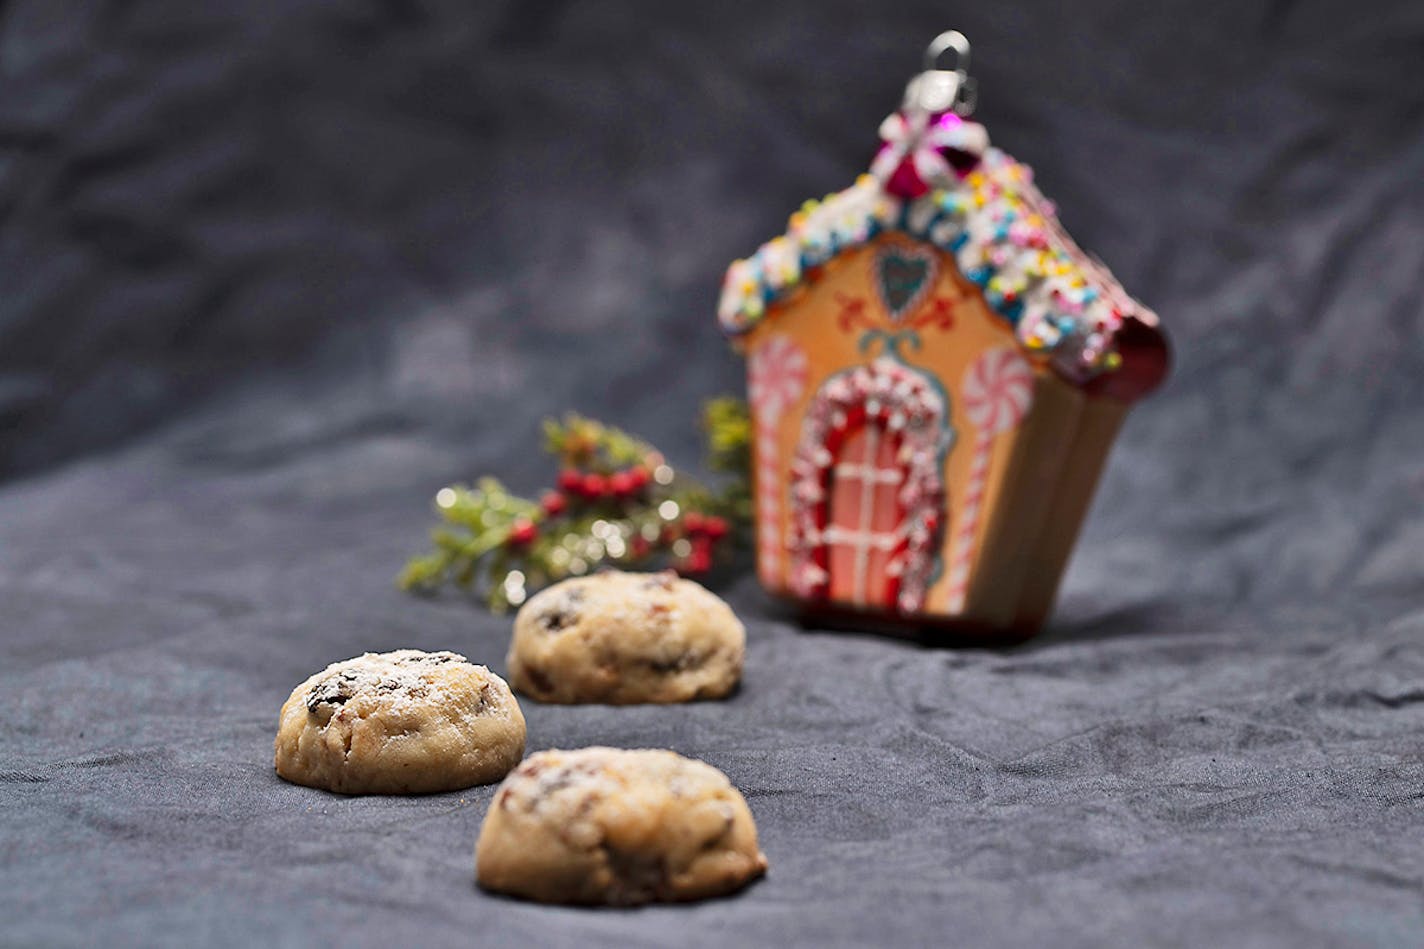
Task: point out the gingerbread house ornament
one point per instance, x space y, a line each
936 373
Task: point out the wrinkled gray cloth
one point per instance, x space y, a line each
270 274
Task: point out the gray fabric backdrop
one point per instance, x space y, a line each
270 273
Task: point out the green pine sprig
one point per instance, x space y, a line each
617 503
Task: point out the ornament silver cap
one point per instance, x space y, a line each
943 86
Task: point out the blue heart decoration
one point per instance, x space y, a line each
903 275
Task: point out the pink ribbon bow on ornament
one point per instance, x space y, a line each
913 160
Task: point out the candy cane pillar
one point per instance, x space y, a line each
995 394
776 377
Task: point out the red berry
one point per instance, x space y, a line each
522 532
622 485
639 548
570 480
594 485
640 477
699 560
694 522
715 528
554 503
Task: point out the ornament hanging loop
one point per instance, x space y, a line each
944 86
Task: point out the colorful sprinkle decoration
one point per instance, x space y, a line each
984 210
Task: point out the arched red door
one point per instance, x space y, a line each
867 494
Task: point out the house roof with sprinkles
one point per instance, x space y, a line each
937 179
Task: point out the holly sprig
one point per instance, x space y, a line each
617 502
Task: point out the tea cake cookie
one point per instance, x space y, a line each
624 638
403 722
615 827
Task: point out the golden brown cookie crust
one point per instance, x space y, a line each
404 722
615 827
625 638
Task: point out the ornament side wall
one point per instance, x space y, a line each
1097 428
1034 464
